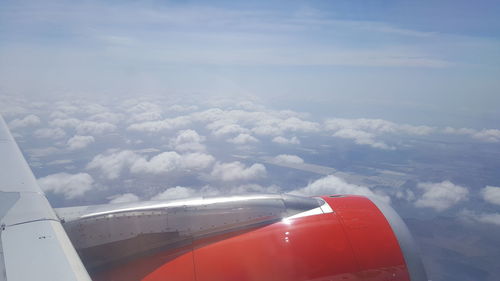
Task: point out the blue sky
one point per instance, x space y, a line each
421 62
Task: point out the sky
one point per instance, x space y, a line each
119 101
436 62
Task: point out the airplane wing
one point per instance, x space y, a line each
33 243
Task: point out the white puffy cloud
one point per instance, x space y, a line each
288 159
491 218
365 131
143 111
491 194
65 123
283 140
85 127
188 140
196 161
277 126
177 192
9 109
143 106
440 196
243 139
295 124
259 122
182 108
157 126
172 161
70 185
94 128
220 128
66 107
235 171
79 142
123 198
30 120
108 117
255 188
331 185
145 116
180 192
50 133
404 193
112 164
360 137
58 114
91 108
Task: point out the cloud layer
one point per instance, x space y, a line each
69 185
441 196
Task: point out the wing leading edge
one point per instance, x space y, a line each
33 243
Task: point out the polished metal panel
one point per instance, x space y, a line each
107 234
33 244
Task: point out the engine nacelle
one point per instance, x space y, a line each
254 237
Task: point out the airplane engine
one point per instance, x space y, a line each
253 237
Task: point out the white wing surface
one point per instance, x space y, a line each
33 244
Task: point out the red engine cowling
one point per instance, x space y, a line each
343 238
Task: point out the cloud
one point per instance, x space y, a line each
85 127
111 165
361 137
107 117
158 126
114 163
188 140
283 140
182 108
236 171
177 192
255 188
220 128
123 198
365 131
331 185
94 128
90 107
143 111
65 123
288 159
79 142
491 194
491 218
275 123
277 126
172 161
69 185
50 133
28 121
243 139
440 196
